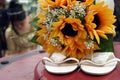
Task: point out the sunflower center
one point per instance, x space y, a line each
68 30
96 20
53 0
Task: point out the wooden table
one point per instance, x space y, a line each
24 67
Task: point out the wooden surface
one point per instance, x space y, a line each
42 74
24 67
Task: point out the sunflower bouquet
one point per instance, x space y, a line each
74 28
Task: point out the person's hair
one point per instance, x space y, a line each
4 18
16 13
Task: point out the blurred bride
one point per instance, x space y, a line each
20 32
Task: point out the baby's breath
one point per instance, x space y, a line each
78 11
55 41
89 43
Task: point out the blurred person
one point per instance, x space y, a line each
117 14
20 32
2 4
4 22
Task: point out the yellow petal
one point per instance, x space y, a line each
91 35
50 2
57 2
107 30
57 24
102 34
87 2
96 36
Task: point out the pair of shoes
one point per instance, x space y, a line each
100 63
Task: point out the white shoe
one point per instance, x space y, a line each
101 63
58 64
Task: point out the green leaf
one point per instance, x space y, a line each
106 45
34 39
34 23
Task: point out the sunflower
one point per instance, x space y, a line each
67 28
43 39
61 3
72 36
98 23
